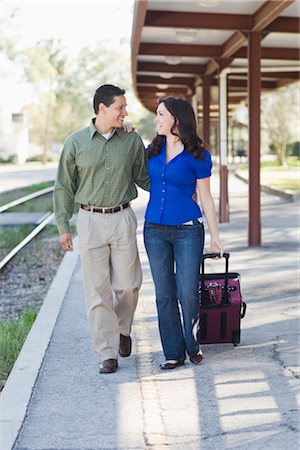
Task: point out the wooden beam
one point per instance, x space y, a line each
268 12
194 69
180 50
234 43
185 81
140 9
211 67
284 25
181 19
273 53
153 89
234 83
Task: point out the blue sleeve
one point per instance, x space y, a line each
203 166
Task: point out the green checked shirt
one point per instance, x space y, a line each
98 172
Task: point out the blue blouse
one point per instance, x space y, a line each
172 185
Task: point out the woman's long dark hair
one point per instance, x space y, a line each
184 127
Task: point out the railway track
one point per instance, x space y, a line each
40 226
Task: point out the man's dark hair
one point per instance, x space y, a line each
106 94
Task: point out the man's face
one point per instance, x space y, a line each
116 112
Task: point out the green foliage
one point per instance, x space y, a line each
39 158
12 337
296 149
13 235
10 36
12 159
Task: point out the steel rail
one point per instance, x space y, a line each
26 198
26 240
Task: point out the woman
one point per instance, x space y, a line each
178 167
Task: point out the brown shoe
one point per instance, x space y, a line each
125 346
196 359
108 366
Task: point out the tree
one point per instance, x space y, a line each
280 115
44 69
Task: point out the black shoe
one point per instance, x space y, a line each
125 346
108 366
197 358
171 365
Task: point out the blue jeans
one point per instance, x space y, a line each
181 247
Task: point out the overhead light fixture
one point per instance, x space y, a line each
173 60
166 75
162 86
186 35
160 94
209 3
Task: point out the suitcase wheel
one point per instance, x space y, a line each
236 337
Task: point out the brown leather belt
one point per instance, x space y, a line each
105 210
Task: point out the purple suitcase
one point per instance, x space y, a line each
221 306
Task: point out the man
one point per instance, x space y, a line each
99 168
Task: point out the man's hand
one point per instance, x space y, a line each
128 127
65 240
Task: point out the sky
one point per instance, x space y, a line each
77 23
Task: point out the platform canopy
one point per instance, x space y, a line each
178 44
216 54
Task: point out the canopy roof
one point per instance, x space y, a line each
219 38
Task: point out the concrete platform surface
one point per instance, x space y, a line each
244 397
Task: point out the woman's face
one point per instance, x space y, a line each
163 120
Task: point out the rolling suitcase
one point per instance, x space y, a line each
220 305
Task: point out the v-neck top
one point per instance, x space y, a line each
172 186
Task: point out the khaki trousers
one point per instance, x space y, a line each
112 275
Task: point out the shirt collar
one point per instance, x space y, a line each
94 130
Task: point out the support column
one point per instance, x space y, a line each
223 205
206 111
254 94
196 102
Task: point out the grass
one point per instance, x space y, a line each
10 196
292 164
12 337
279 177
11 236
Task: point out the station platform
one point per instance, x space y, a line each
244 397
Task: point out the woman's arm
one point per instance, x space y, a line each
207 205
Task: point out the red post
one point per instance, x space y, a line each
254 92
206 110
224 208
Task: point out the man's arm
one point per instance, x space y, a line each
140 167
64 192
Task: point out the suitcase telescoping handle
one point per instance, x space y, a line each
225 297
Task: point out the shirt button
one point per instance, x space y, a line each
163 190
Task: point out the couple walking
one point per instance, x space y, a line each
99 169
